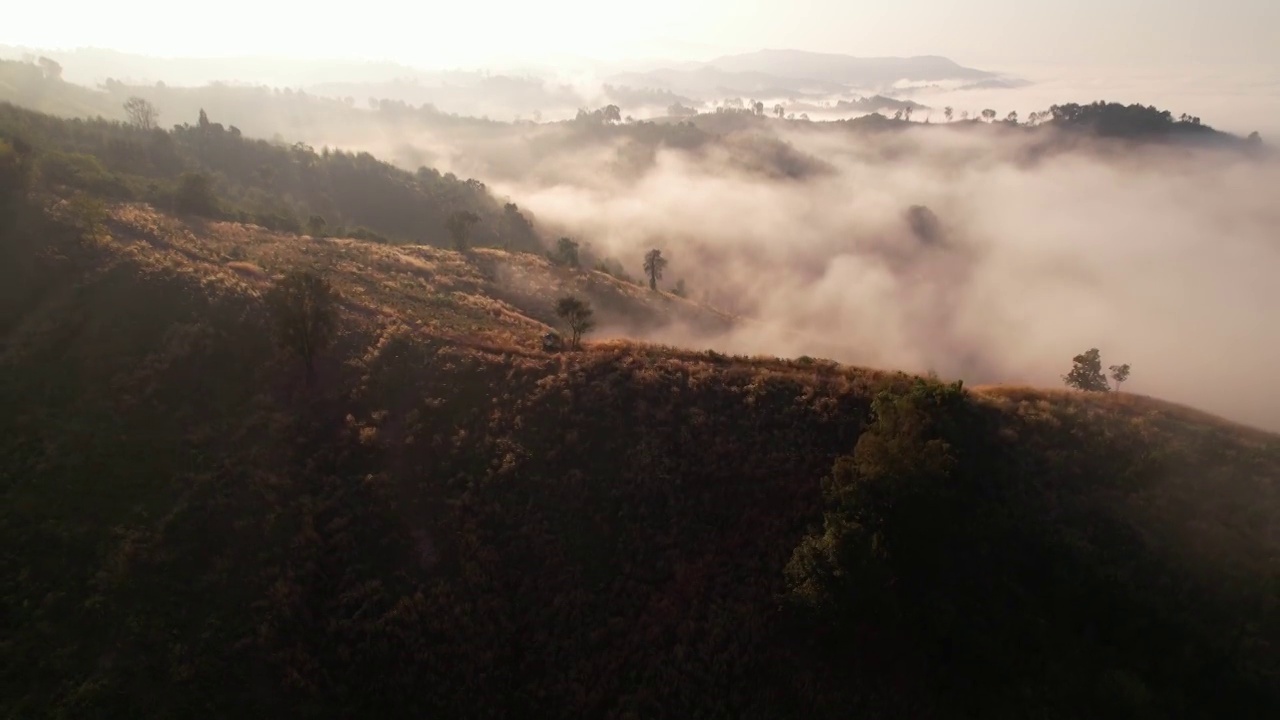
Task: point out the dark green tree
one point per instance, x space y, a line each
567 252
459 226
878 507
578 315
1119 373
654 264
316 226
304 307
194 195
1086 373
87 214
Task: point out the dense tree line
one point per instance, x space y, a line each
1110 119
211 170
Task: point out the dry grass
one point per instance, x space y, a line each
498 303
486 296
1169 416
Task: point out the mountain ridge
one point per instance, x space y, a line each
782 72
802 64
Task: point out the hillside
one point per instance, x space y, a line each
216 171
483 295
451 522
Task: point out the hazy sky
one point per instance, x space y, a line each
1148 32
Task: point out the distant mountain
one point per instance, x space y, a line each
796 73
847 69
997 83
708 82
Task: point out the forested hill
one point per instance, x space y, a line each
214 170
287 114
439 518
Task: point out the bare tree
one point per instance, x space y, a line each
947 112
141 112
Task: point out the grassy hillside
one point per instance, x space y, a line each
453 523
504 297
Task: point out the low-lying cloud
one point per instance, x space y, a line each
1166 260
1163 258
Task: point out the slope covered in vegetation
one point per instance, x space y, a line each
214 171
453 522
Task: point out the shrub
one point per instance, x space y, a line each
194 195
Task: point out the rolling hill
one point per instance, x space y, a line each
453 522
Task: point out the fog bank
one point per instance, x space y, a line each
1165 260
